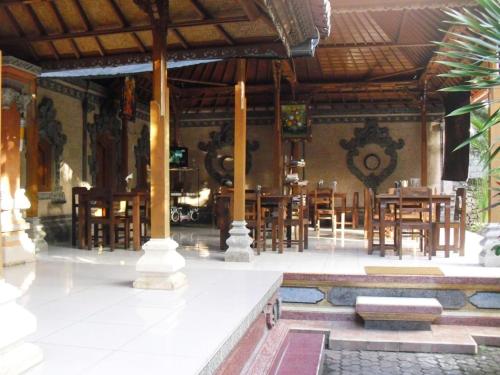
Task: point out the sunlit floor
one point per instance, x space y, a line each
341 255
91 321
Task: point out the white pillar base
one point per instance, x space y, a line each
491 238
16 323
159 267
238 243
37 234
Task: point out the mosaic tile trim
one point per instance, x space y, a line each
346 296
301 295
485 300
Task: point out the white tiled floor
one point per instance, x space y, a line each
348 255
91 321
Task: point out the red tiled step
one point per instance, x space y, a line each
301 353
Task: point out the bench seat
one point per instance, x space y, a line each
398 313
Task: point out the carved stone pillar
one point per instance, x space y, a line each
16 245
16 323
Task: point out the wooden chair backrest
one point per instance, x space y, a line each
76 193
406 206
459 211
355 200
369 202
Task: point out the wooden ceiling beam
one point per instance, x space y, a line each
316 87
123 30
40 28
124 22
88 26
64 28
205 15
251 9
362 6
181 38
19 31
374 45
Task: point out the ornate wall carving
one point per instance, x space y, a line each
106 121
51 130
374 171
219 154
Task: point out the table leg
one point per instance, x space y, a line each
447 213
82 233
382 208
281 225
136 222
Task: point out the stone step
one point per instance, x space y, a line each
339 314
300 354
398 313
289 351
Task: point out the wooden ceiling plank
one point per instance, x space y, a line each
19 31
125 23
181 38
225 35
64 28
83 16
40 28
401 26
130 29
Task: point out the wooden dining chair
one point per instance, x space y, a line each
323 209
100 218
413 201
77 203
353 212
340 206
296 217
372 222
457 224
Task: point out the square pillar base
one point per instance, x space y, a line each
239 249
159 267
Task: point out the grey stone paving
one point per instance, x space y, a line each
345 362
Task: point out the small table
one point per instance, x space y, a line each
386 199
135 197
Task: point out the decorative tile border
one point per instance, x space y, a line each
301 295
485 300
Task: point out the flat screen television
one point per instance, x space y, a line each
178 157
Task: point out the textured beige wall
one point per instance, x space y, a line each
69 113
325 158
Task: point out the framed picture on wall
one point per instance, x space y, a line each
128 98
295 122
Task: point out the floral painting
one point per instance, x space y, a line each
294 120
128 98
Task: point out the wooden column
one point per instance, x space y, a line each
423 137
494 212
278 140
240 141
159 133
32 163
124 161
85 110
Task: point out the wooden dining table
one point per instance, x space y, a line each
277 202
385 200
136 198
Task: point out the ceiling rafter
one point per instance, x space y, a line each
124 30
88 25
204 14
181 38
125 23
64 28
40 28
19 31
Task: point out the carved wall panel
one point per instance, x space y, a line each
51 134
372 153
219 154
